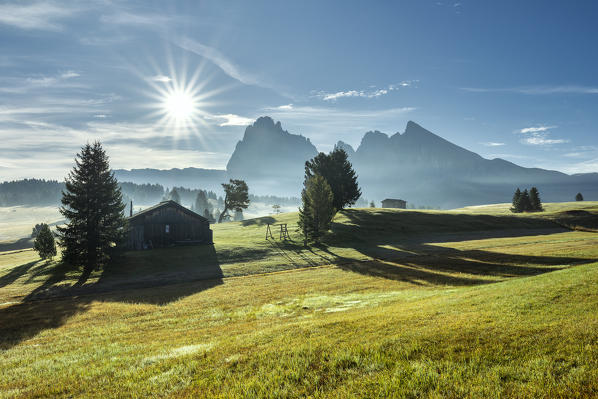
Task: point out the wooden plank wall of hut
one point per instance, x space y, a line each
181 227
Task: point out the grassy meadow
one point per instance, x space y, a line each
475 302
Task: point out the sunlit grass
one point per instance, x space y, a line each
447 307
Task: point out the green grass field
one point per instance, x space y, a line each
475 302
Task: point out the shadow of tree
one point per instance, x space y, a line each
17 272
56 300
23 243
258 221
404 253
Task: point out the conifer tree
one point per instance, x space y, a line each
174 196
201 202
317 210
44 243
92 204
534 199
372 205
579 197
516 201
525 203
339 174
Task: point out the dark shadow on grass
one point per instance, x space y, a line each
57 300
16 272
23 243
258 221
405 251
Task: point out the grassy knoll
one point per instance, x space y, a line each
395 303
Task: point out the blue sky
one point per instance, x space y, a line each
509 79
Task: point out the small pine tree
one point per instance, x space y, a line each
579 197
516 208
93 207
44 242
372 205
317 210
534 199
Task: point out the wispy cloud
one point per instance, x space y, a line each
492 144
219 59
363 93
537 90
230 120
542 140
538 135
23 85
536 129
44 149
122 17
35 16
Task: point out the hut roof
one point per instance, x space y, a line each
168 203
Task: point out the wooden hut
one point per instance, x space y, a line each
166 224
394 203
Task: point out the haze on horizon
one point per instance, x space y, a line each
175 84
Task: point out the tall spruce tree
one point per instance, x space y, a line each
92 204
579 197
317 210
516 201
339 174
534 199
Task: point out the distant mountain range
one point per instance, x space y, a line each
416 165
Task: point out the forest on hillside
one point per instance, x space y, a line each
39 192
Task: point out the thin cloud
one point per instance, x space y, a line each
363 93
128 18
230 120
219 59
538 135
536 90
24 85
35 16
536 129
542 140
284 107
492 144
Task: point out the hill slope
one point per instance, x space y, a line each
428 304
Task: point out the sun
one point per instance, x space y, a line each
180 105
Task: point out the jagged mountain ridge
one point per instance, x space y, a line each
416 165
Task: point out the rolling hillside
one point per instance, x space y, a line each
466 303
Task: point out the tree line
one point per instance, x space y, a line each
524 201
40 192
